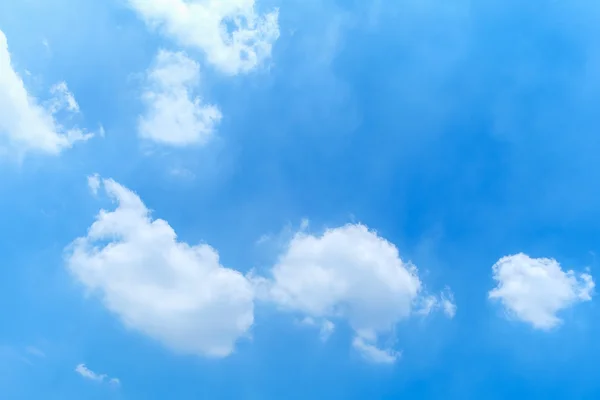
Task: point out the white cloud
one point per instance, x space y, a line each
174 116
114 382
326 327
534 290
94 183
232 35
182 173
63 99
87 373
25 124
428 304
347 273
372 353
445 302
176 293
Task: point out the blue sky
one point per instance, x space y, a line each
302 200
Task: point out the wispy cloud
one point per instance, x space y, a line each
87 373
34 351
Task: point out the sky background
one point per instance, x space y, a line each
459 131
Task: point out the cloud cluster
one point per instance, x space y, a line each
27 125
234 38
232 35
182 296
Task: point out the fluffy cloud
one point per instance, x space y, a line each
25 124
174 292
347 273
87 373
232 35
534 290
181 295
174 116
